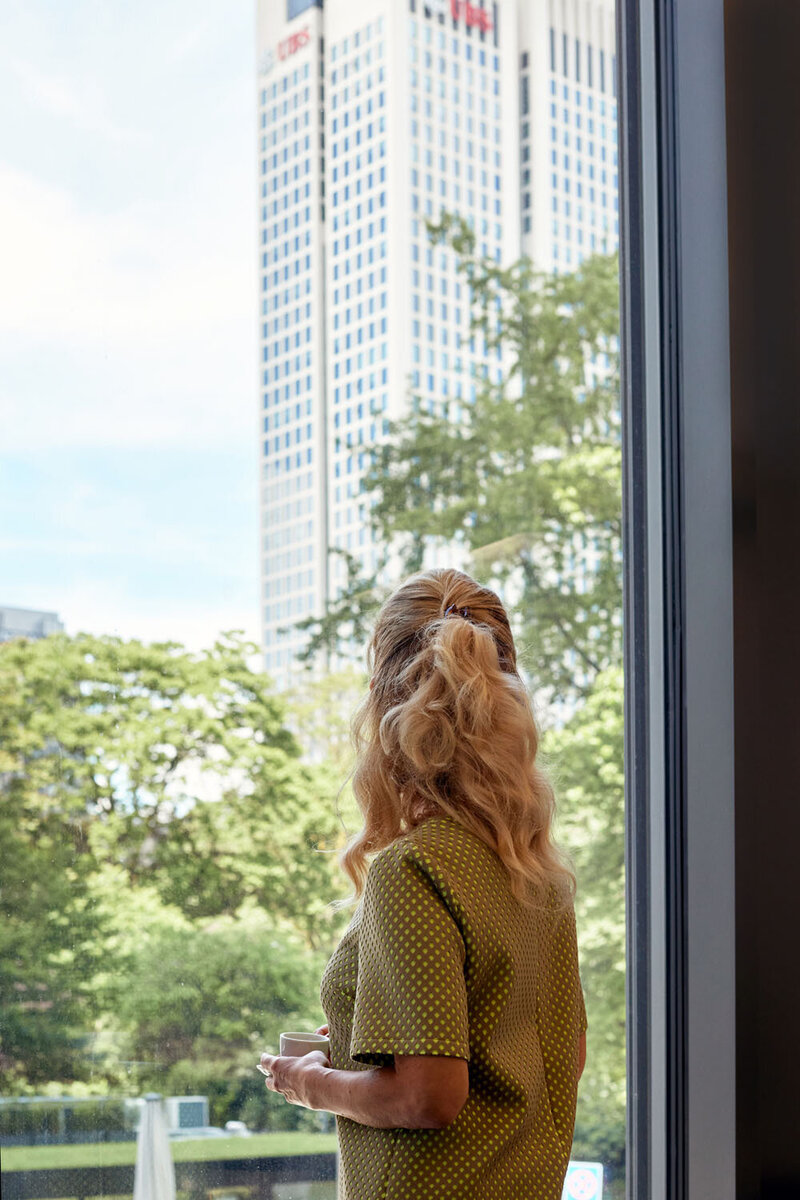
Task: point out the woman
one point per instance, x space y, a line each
455 1012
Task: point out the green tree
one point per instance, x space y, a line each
527 481
175 769
49 939
527 485
348 616
226 984
588 767
202 1003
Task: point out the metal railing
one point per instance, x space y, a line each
259 1175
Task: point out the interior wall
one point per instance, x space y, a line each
763 144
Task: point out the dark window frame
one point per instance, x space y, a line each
678 600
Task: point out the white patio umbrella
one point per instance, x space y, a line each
154 1178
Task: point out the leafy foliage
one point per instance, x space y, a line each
169 825
525 485
588 761
348 617
140 784
202 1003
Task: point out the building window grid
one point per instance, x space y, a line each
361 255
455 368
611 140
598 232
288 332
483 133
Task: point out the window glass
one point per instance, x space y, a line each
190 586
295 7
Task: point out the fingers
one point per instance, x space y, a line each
323 1030
266 1067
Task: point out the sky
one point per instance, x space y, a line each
128 333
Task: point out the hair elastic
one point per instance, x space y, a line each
461 612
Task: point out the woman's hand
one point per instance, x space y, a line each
323 1029
294 1077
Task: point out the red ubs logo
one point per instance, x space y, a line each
474 17
284 49
292 44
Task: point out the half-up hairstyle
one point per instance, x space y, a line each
448 729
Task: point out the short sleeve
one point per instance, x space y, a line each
411 993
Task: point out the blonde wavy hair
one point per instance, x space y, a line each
447 728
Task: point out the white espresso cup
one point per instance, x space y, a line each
295 1044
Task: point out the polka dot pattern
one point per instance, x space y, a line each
440 959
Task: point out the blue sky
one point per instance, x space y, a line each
129 436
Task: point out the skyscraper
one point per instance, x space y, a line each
374 117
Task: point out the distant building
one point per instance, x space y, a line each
27 623
373 118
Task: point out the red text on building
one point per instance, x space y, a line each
473 16
292 44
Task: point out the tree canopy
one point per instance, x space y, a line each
523 482
587 758
169 823
172 774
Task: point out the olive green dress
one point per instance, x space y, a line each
440 958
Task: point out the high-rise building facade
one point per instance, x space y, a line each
375 117
293 409
568 172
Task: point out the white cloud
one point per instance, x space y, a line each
105 607
147 312
60 98
198 39
128 334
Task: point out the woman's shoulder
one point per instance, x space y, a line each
443 840
439 837
442 848
447 848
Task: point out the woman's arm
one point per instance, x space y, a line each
418 1092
